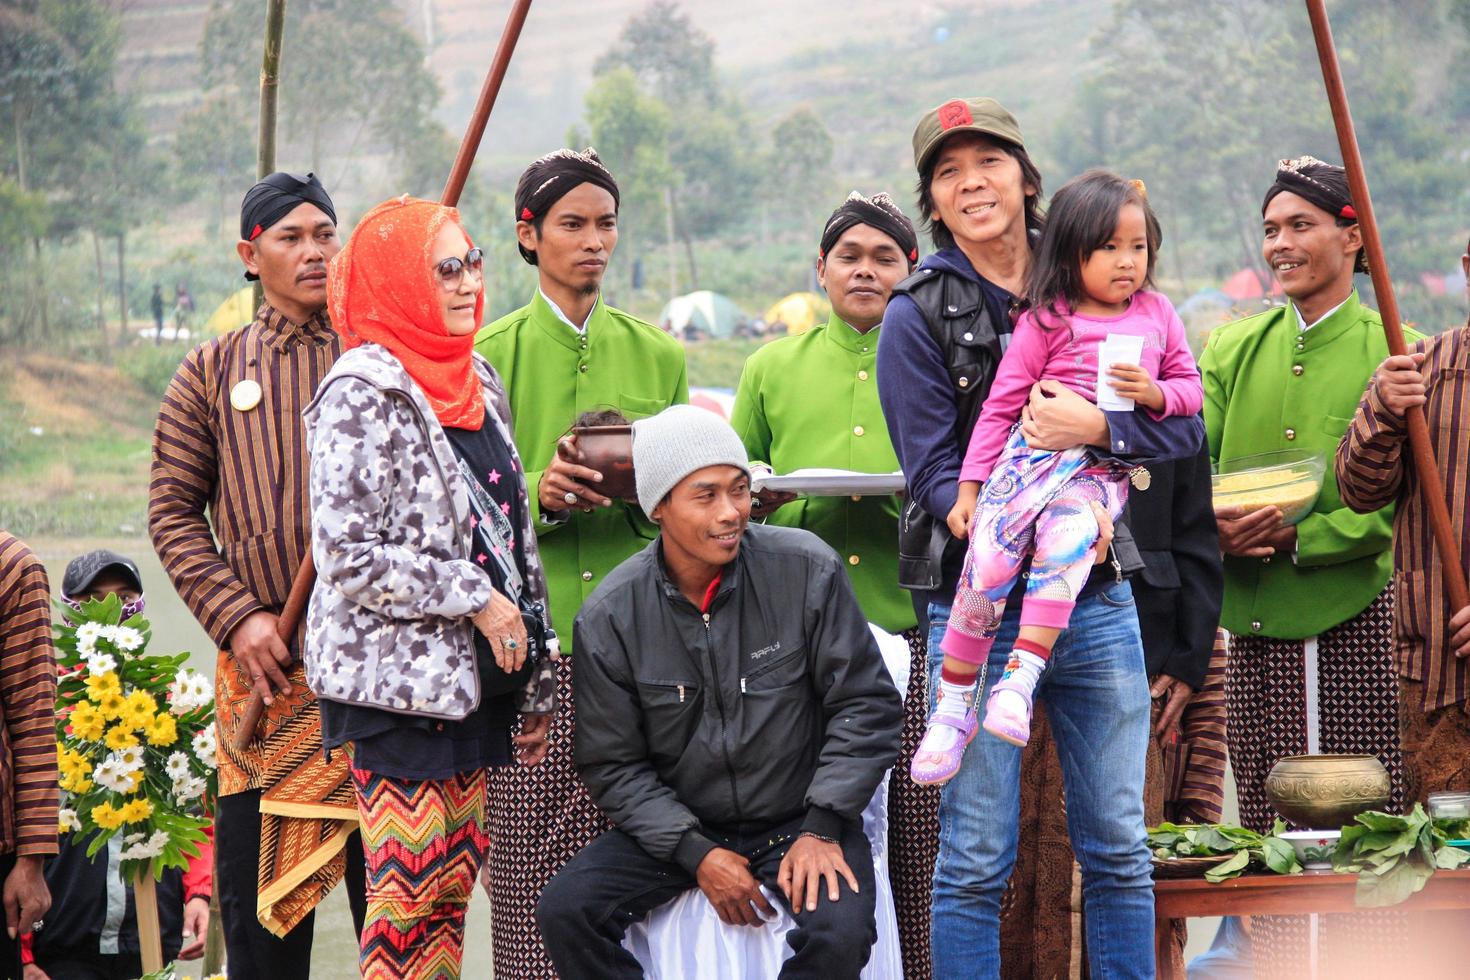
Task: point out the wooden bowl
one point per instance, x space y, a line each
1325 792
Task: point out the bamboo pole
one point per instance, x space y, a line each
1425 467
306 575
270 83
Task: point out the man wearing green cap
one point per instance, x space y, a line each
812 401
943 335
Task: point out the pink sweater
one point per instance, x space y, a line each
1066 351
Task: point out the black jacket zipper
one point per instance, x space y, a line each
709 652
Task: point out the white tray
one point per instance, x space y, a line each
830 483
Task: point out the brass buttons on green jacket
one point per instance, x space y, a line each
586 576
582 368
862 376
857 430
1297 369
1256 626
1290 433
853 559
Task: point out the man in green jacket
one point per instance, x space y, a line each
1310 667
564 354
812 401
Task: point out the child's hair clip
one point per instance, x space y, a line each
1140 188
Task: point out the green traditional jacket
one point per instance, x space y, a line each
812 400
553 374
1268 386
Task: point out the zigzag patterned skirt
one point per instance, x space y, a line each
425 841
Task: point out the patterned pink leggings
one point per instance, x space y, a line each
1036 504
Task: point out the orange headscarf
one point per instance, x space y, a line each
382 289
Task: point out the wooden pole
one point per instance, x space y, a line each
305 578
1425 467
270 83
150 937
470 145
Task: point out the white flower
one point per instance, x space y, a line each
189 690
177 767
130 758
189 788
111 774
68 819
138 849
125 638
87 637
204 746
101 663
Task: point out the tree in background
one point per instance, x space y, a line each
214 150
799 169
1200 99
353 81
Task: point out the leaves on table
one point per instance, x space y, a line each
1394 856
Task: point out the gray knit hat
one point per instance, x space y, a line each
676 442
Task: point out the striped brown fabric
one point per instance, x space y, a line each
1196 794
28 791
248 467
1374 468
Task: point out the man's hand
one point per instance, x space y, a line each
1173 696
196 925
1057 418
1249 535
33 972
1399 382
1133 381
764 503
27 898
1104 533
962 514
534 741
1460 633
256 646
501 624
726 881
566 475
808 863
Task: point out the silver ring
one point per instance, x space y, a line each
510 644
569 497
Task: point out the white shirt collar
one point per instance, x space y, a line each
1303 326
562 316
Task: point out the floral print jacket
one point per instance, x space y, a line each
389 622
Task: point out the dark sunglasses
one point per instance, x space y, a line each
451 271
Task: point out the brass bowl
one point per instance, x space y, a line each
1325 792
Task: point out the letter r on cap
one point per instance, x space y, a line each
955 113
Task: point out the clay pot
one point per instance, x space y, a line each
608 449
1325 792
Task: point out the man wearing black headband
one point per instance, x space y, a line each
565 354
229 444
812 401
1307 605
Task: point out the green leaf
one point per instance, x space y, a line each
1451 857
1229 869
1280 856
1394 885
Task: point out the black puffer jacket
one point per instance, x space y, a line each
773 704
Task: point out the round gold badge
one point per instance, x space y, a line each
245 395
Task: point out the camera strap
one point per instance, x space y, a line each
494 530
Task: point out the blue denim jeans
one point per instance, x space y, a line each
1095 694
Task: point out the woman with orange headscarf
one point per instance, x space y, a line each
427 630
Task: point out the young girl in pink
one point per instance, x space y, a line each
1090 282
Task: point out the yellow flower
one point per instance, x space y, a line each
99 685
87 722
111 705
75 782
139 710
104 816
137 780
137 810
120 736
162 731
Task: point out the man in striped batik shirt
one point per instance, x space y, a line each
230 442
28 792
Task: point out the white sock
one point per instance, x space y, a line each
1024 670
954 701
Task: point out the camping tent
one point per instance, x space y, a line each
799 312
711 313
236 311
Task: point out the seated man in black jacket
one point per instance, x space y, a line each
734 717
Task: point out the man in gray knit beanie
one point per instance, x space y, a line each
676 442
734 719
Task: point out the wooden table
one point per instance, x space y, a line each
1272 894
